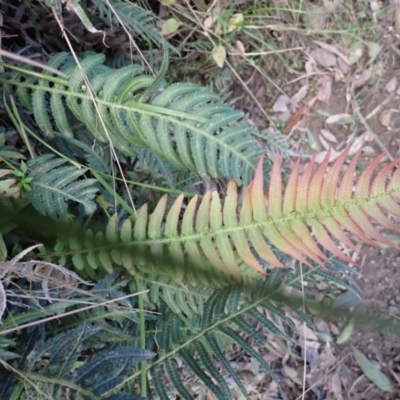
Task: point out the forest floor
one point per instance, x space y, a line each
338 94
362 105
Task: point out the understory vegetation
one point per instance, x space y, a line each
149 228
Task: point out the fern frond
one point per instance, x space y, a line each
96 155
135 19
55 358
237 242
200 345
54 184
107 369
184 124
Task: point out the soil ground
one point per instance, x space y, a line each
375 107
380 268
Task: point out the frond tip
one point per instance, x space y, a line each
319 206
309 215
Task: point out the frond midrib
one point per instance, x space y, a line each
64 193
285 220
146 108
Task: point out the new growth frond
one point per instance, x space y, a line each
238 241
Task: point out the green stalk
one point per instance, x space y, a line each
38 75
19 125
110 190
142 327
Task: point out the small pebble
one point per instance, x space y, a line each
392 310
392 302
398 298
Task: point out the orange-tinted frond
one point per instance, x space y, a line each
306 219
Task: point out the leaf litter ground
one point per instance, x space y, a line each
345 94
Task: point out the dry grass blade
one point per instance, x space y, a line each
2 300
47 273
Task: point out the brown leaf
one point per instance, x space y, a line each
239 46
296 117
299 96
333 50
292 374
342 118
284 117
363 78
343 67
321 155
281 104
336 385
386 118
323 57
391 86
325 89
309 66
328 135
211 19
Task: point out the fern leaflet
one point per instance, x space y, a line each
54 184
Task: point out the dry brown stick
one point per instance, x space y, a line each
357 110
379 107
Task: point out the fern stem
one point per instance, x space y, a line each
159 188
142 328
113 193
19 125
38 75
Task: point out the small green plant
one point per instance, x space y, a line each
23 180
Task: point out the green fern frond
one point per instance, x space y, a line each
106 369
199 346
55 359
184 124
157 166
54 184
97 155
59 347
136 20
